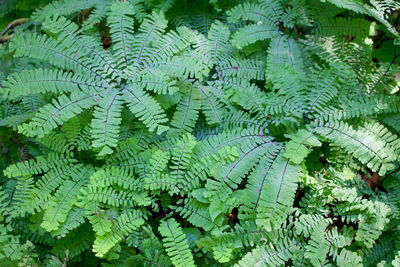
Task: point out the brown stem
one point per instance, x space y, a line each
6 38
13 24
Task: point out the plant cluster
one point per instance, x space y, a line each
202 133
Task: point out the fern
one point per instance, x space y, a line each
200 133
125 224
270 256
276 202
374 153
145 108
175 243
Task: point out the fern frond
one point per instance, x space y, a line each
322 89
59 206
283 51
187 111
196 213
276 202
126 149
359 7
246 69
256 180
162 182
228 177
105 123
218 44
253 33
175 243
63 7
296 149
318 247
116 198
366 147
158 163
181 156
155 81
98 12
266 12
48 80
38 165
276 255
48 184
44 48
223 244
76 218
211 106
113 176
343 27
250 98
125 224
151 29
145 108
59 111
181 67
172 43
347 257
71 36
121 25
200 169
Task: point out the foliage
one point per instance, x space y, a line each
234 133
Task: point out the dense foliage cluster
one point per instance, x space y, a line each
201 133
